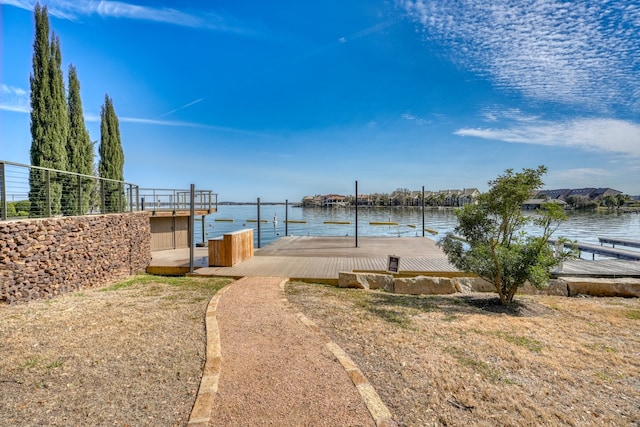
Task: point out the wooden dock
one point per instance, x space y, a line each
601 250
622 242
318 258
322 258
613 268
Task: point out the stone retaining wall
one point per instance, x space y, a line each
426 285
41 258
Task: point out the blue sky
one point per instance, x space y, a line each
287 98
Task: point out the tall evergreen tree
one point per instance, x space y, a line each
111 158
77 190
48 119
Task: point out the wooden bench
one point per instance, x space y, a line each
231 249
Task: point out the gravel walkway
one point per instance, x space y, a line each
275 370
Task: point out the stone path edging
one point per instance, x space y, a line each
201 411
378 410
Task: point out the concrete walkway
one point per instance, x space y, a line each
269 365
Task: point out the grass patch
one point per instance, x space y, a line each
397 317
55 364
522 341
31 362
449 317
632 314
186 283
600 347
481 367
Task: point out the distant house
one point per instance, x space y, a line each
364 200
600 193
532 204
469 196
333 201
312 201
552 194
588 193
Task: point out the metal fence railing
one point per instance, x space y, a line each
37 192
159 199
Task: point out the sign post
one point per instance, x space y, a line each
393 264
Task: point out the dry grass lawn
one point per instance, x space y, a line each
128 355
132 354
463 360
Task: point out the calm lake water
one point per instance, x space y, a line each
581 226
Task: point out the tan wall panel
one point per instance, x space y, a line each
162 236
182 232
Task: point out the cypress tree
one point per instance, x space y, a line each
48 119
111 158
77 190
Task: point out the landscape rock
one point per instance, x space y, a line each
528 289
603 287
425 285
558 287
473 284
365 281
350 280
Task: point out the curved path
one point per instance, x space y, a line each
276 368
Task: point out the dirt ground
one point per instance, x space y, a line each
126 355
464 360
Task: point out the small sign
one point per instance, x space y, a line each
393 264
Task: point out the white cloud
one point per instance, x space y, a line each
582 52
410 117
14 99
14 107
581 174
604 135
183 107
75 9
12 90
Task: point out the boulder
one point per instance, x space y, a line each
603 287
527 289
473 284
558 287
425 285
365 281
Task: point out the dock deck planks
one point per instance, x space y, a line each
323 258
623 242
600 268
602 250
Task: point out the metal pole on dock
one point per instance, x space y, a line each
191 225
203 233
258 222
286 217
423 211
356 213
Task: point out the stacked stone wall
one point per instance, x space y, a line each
41 258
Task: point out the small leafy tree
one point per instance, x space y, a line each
496 248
